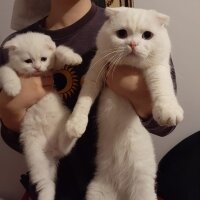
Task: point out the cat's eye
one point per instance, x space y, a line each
43 59
147 35
122 33
28 61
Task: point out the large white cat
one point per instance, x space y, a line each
42 132
125 160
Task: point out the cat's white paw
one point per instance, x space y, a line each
75 127
47 192
167 113
66 56
75 59
146 195
12 88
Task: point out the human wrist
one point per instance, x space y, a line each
11 125
13 120
142 107
11 138
142 110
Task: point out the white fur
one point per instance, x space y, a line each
126 165
42 132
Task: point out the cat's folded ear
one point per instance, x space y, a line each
162 18
113 11
10 45
50 43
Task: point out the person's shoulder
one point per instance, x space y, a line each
98 17
33 28
100 10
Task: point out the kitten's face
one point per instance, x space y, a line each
31 53
29 61
133 34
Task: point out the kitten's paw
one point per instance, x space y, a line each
47 192
75 59
147 195
168 113
66 56
75 127
12 88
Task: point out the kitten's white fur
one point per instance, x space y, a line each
42 132
126 165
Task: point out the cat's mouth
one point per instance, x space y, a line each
37 71
133 53
136 54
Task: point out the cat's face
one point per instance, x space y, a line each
132 34
31 53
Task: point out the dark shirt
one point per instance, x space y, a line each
77 169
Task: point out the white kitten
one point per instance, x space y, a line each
126 165
42 132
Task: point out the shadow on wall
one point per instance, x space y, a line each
12 166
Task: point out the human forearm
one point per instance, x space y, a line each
141 102
129 83
13 109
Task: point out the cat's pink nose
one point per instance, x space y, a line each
37 67
133 44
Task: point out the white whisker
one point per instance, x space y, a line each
104 56
116 59
116 63
103 68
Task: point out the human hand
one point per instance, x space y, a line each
13 109
129 83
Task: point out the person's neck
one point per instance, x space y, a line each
64 13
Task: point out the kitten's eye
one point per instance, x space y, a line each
43 59
28 61
122 33
147 35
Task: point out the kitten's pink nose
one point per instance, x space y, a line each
37 67
133 44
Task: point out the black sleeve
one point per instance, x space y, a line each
4 52
3 56
11 138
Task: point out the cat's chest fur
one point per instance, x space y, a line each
123 143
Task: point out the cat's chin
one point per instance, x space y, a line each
133 56
131 59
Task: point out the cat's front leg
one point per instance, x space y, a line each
66 56
9 81
100 189
166 109
76 125
77 122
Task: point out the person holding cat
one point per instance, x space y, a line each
75 24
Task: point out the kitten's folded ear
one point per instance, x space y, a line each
50 43
10 45
162 18
113 11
